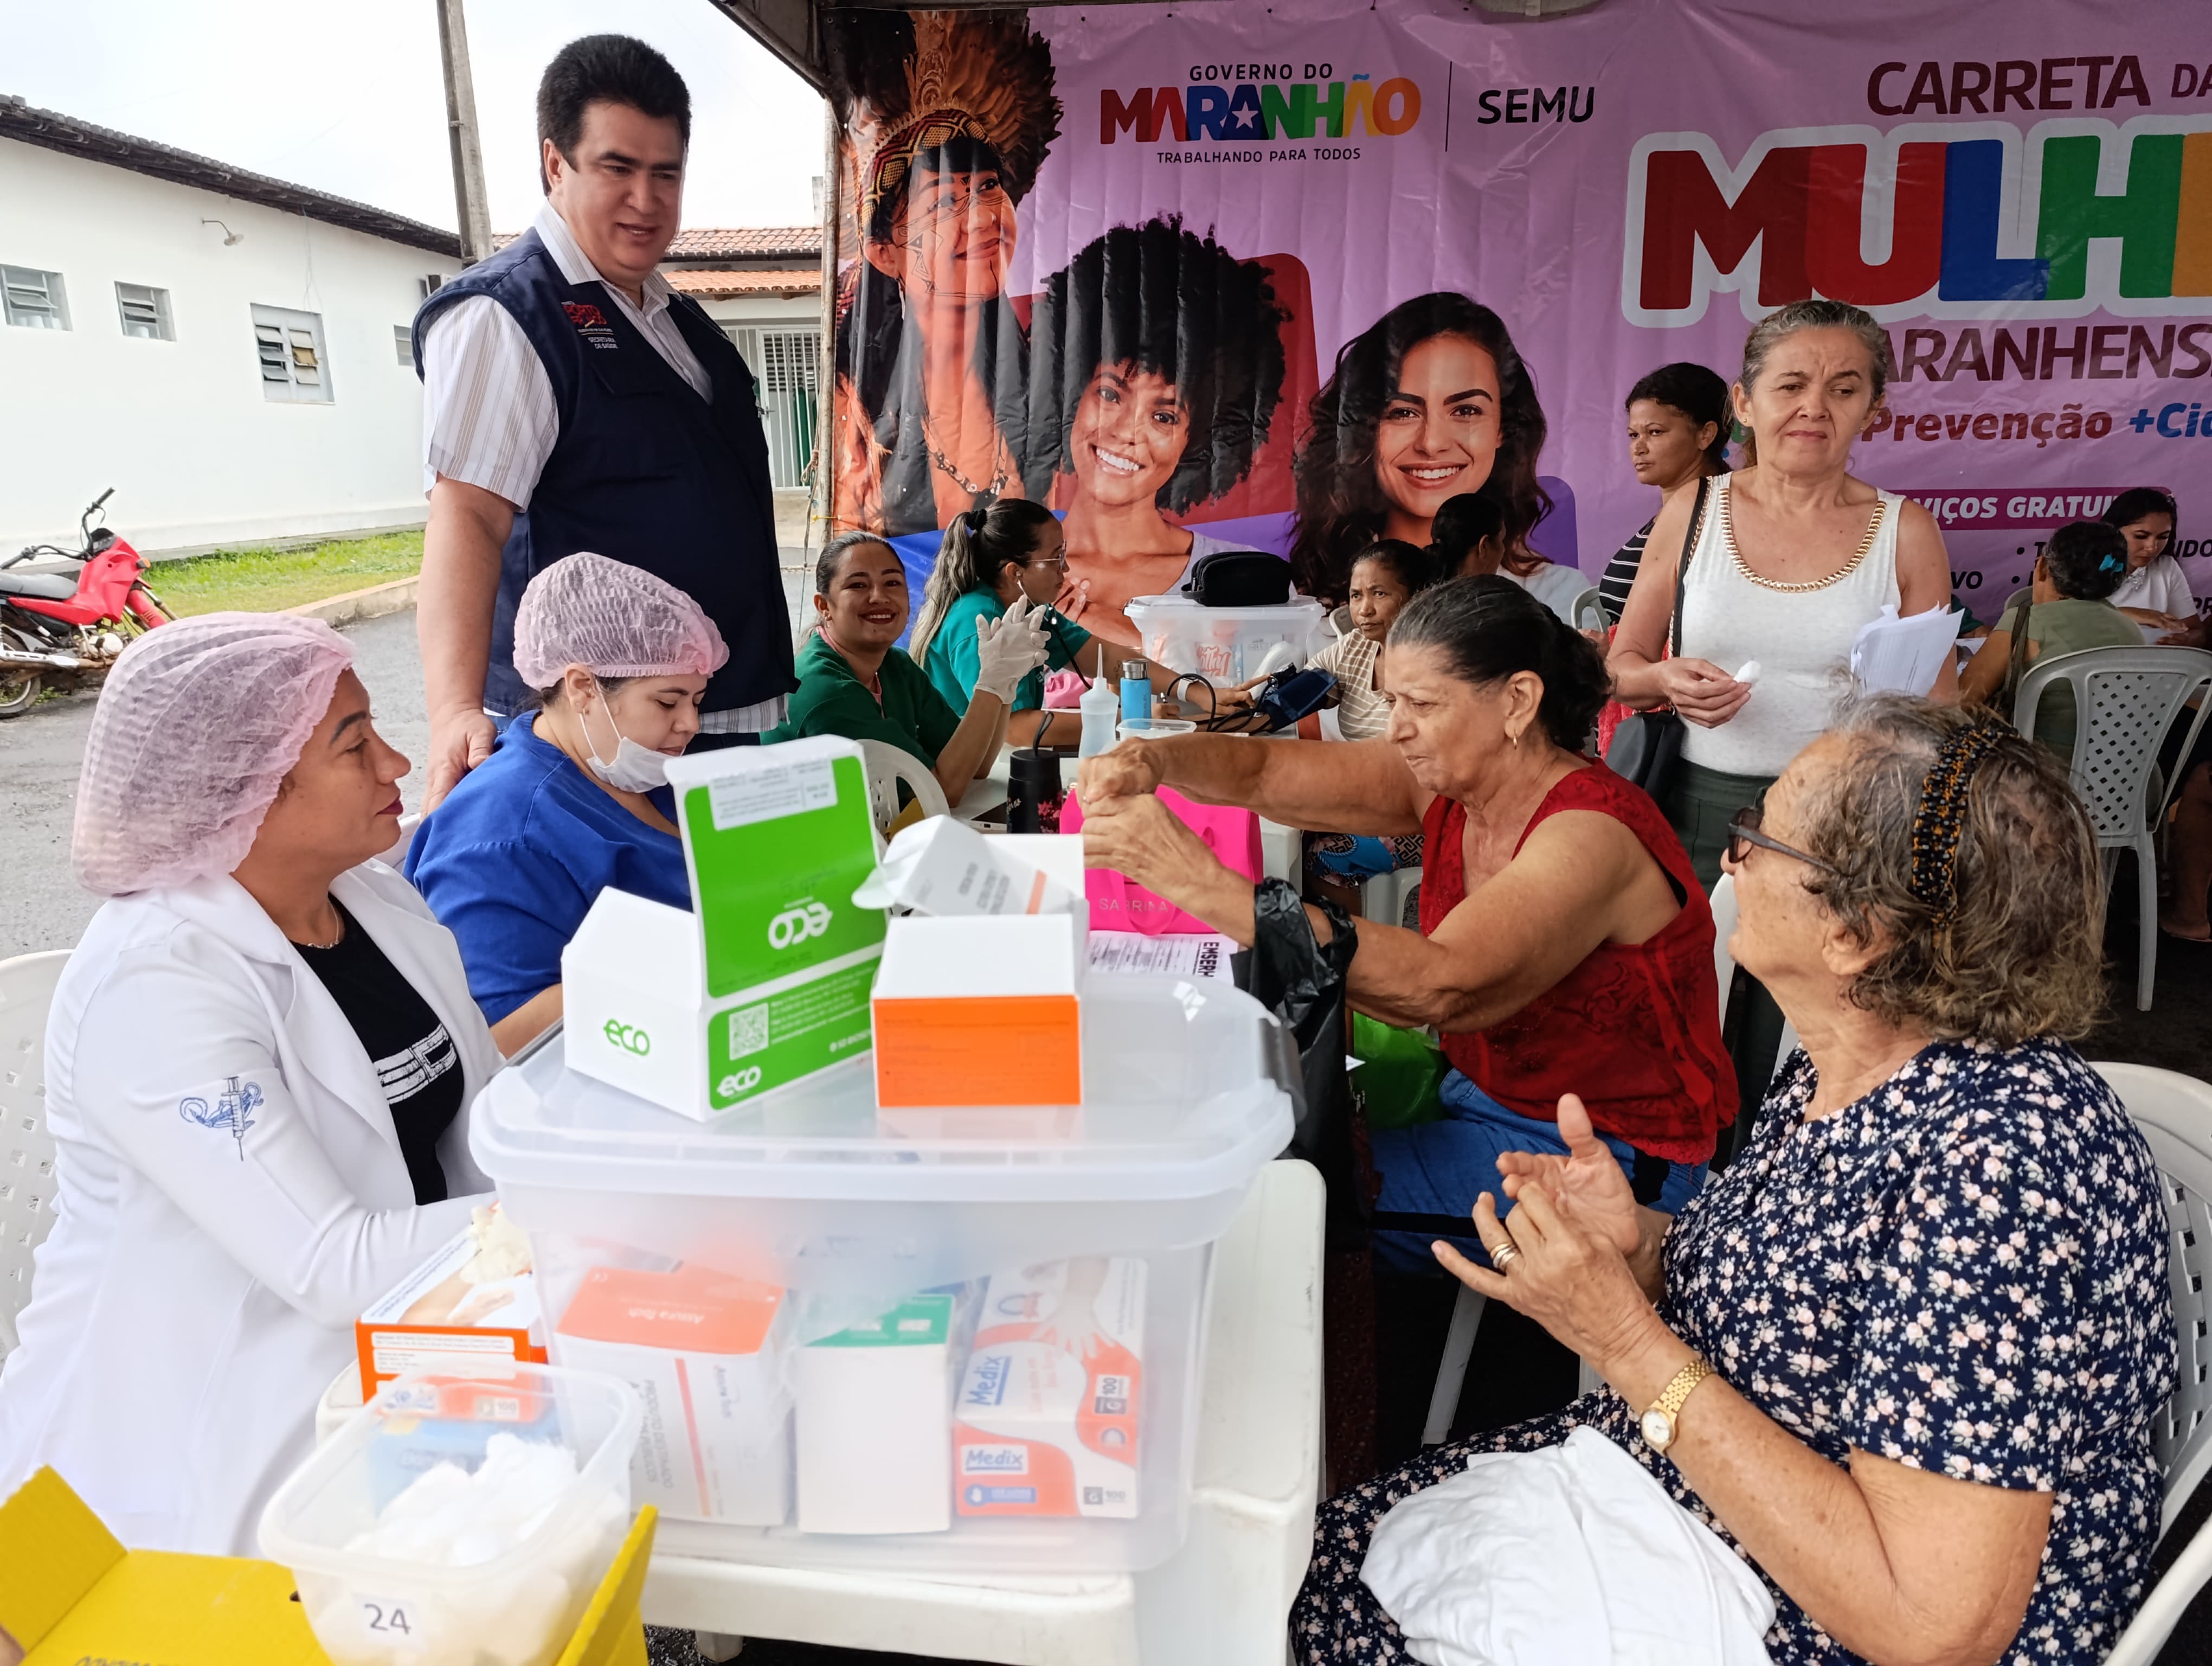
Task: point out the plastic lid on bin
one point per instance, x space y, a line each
1187 1094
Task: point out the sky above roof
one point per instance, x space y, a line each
351 98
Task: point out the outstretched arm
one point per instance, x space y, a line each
1325 787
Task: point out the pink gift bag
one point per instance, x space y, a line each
1118 903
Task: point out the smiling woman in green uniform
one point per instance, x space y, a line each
853 681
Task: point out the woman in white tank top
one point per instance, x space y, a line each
1793 557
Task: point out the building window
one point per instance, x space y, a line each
402 338
145 311
786 365
34 299
294 362
429 284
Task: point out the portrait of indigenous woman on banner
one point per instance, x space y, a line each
946 117
1293 277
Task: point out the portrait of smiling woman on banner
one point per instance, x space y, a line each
1157 364
946 117
1431 401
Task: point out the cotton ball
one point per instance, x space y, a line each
1750 671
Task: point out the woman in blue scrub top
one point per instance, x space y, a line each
575 798
991 554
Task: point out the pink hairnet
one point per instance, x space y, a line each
613 619
200 722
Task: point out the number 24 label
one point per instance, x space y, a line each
388 1623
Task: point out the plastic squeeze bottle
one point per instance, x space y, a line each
1098 707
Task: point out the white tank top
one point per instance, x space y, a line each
1801 640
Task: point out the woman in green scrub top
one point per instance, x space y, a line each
994 556
853 681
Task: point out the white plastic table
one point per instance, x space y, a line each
1223 1599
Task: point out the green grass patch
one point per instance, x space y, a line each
270 580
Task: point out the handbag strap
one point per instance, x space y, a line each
1682 566
2016 662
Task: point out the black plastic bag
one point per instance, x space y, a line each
1302 983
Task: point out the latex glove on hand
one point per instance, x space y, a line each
1010 648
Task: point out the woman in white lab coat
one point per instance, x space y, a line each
258 1066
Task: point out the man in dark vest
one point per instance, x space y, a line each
574 401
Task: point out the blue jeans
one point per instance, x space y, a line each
1432 1172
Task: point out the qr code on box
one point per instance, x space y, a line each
748 1030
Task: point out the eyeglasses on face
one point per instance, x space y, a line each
1744 832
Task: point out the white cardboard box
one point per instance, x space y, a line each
874 1421
765 984
703 1351
1051 1403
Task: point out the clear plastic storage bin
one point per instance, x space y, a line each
495 1598
811 1221
1228 644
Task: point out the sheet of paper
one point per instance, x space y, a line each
1892 655
1183 957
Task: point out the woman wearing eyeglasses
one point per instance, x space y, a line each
1905 1355
1012 551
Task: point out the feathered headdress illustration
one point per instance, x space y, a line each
910 84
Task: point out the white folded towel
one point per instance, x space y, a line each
1572 1555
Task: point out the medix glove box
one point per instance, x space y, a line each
766 983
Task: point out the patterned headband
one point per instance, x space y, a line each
1940 816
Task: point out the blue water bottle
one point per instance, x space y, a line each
1136 693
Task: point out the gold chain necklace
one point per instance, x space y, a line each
1798 588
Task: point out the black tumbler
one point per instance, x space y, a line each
1033 791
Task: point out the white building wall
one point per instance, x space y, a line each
181 428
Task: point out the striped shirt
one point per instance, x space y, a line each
1620 575
488 417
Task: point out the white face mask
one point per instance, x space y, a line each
636 768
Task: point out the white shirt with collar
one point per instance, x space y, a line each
233 1194
488 417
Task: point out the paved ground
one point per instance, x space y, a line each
40 750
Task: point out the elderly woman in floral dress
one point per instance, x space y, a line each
1904 1355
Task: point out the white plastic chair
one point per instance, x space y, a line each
26 1150
887 766
2175 1115
2125 699
1589 611
1383 897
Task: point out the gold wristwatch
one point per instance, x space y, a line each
1657 1423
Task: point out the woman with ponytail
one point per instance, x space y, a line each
994 556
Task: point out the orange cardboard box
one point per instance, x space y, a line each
980 1011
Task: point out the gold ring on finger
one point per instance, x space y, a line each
1503 1256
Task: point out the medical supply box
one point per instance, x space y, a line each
1228 644
863 1217
472 1301
765 982
474 1593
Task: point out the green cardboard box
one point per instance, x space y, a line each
766 983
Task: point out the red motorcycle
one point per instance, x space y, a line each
67 629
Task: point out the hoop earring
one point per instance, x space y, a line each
1514 735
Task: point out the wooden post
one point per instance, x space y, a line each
473 207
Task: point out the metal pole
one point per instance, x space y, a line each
826 374
469 199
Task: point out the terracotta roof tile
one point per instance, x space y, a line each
786 280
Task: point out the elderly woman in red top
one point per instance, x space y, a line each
1565 946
